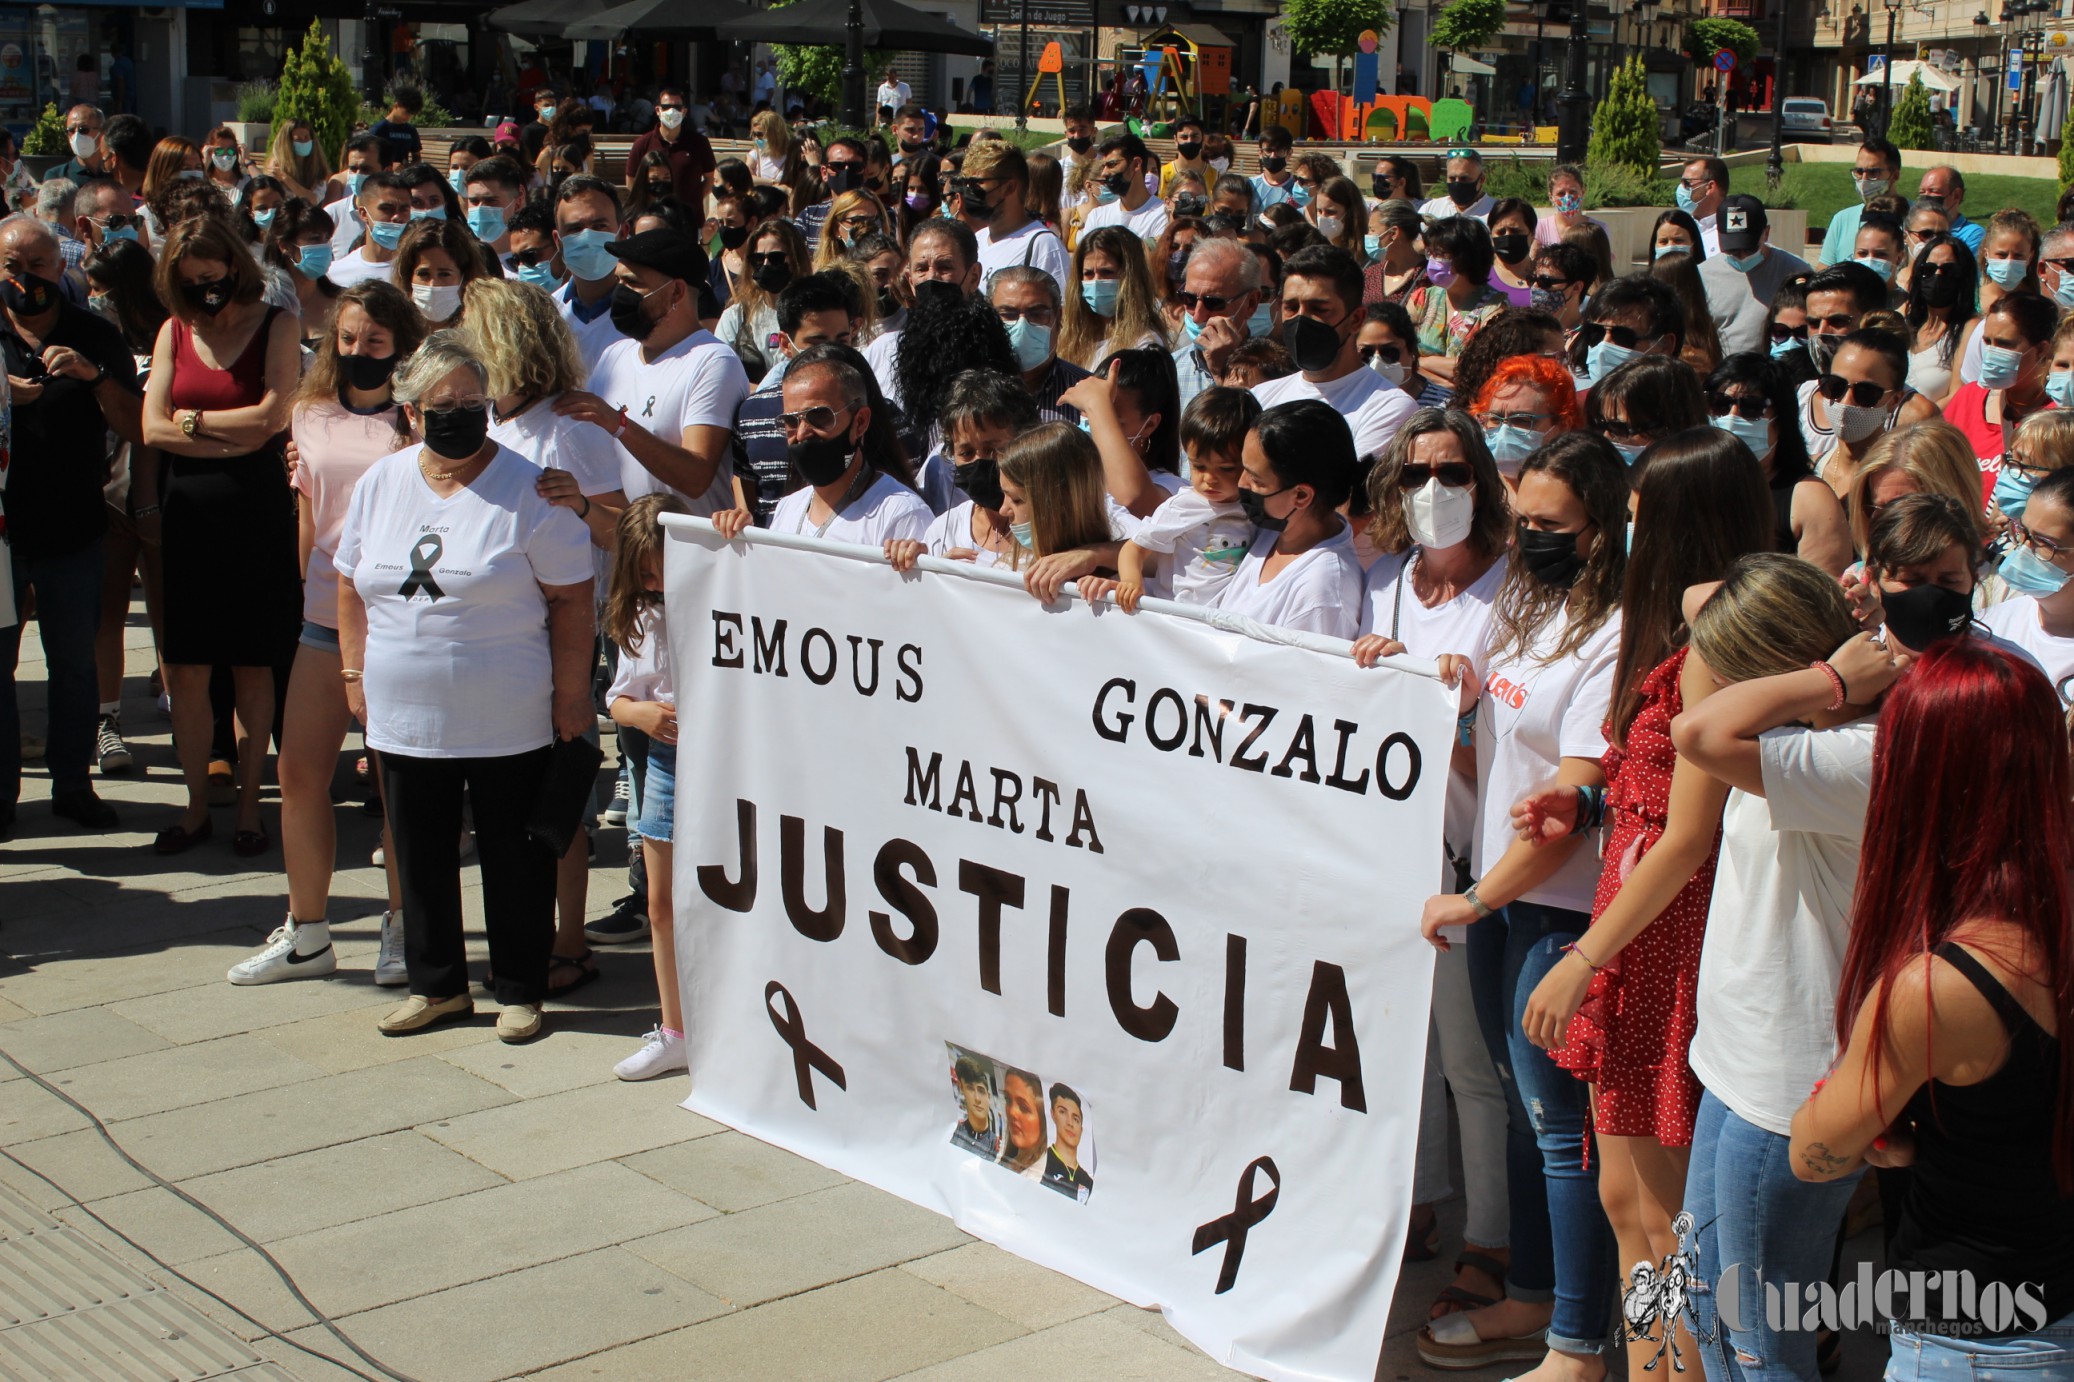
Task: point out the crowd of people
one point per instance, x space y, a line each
1752 578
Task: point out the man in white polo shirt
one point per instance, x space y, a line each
1122 164
1321 324
668 392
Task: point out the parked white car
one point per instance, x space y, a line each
1805 119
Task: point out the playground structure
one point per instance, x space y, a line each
1155 82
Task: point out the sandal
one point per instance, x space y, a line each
559 967
1422 1236
1454 1299
178 839
1451 1342
250 844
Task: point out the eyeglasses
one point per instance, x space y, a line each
2023 466
1782 334
859 225
1209 301
71 129
1391 354
1531 421
1624 431
1694 184
1042 316
666 105
470 403
1865 393
2039 544
757 261
1549 283
1626 337
1756 407
1453 474
2063 265
1861 174
117 220
1302 181
818 417
841 163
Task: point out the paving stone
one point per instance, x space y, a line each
81 1164
244 1279
511 1325
52 988
27 1113
566 1060
218 1008
798 1244
253 1128
359 1180
82 1036
1033 1296
154 1220
579 1126
873 1327
155 1081
348 1039
11 1012
403 1255
303 1368
1094 1346
732 1171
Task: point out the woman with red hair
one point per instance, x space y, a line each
1528 401
1956 1001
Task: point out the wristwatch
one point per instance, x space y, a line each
192 423
1477 904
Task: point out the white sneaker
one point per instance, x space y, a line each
660 1056
389 971
377 858
616 813
292 952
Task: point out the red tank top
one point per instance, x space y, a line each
198 384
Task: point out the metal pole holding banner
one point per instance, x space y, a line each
853 67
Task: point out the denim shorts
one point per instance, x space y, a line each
317 636
658 793
1933 1358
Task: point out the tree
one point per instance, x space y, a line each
1467 24
1333 26
2067 151
317 89
1624 129
1706 37
816 70
1910 127
46 138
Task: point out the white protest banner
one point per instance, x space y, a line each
1097 932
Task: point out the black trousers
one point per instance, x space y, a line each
423 796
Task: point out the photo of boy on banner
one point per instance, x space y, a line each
975 1092
1005 1114
1068 1159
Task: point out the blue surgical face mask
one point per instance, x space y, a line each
1025 534
1782 350
1372 245
2059 387
1630 451
264 219
1261 322
2008 273
1663 250
386 234
312 260
1511 445
541 276
1030 341
486 223
2064 294
428 213
1684 197
584 254
1103 196
458 180
2031 575
1100 295
2000 366
354 182
1753 432
1606 357
109 237
1190 327
1883 267
1746 263
303 147
1300 194
2013 490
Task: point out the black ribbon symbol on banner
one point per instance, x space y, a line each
423 557
1231 1229
806 1057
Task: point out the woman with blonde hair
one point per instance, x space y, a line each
1116 306
1928 457
173 160
775 255
298 160
854 215
1054 497
435 261
774 159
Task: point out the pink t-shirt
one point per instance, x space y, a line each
334 447
1548 229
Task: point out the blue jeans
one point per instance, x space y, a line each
1562 1246
1751 1214
2046 1356
68 614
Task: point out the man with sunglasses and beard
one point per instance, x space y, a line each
1742 277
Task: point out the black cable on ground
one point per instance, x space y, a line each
226 1225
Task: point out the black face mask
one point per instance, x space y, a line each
658 190
845 180
1080 145
1119 183
1923 614
1552 558
1311 344
733 237
1511 247
207 298
1255 505
888 303
1941 290
457 433
1463 191
26 295
1188 151
936 293
981 481
1273 163
820 460
772 278
910 146
630 313
366 372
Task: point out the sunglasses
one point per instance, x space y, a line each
1391 354
758 260
527 259
118 220
1626 337
1864 393
1211 302
817 417
1042 316
1756 407
1553 285
840 163
1781 334
1453 474
1531 421
1624 431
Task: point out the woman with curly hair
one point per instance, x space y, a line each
1116 305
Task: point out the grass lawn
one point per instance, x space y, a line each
1822 189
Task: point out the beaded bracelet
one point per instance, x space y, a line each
1836 679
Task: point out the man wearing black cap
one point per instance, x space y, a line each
669 391
1741 279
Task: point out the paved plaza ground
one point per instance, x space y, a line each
461 1209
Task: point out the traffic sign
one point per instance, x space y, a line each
1875 61
1724 61
2016 81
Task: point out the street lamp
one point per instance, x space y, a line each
1887 100
1573 124
1981 38
1775 166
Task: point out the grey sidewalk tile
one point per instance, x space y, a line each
348 1039
574 1128
531 1319
1033 1296
357 1180
566 1060
799 1244
214 1007
157 1221
304 1368
402 1255
28 1113
732 1171
12 1012
244 1279
873 1327
156 1081
1095 1346
61 986
253 1128
82 1036
82 1165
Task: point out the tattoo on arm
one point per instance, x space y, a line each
1823 1162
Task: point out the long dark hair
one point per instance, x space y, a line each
123 268
1149 376
1917 309
1700 504
1963 825
242 214
1588 465
1756 369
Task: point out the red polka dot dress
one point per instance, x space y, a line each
1631 1035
